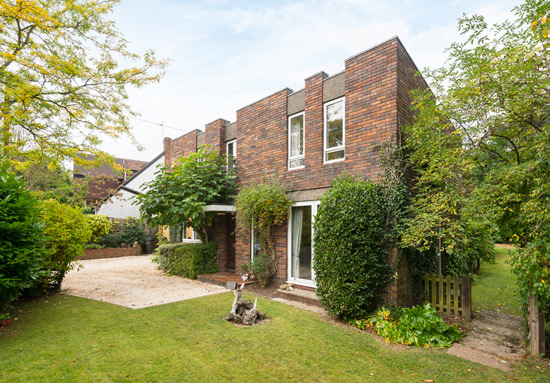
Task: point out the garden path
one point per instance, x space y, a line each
494 339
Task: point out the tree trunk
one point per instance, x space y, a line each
243 311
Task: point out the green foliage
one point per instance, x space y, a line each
111 240
21 237
351 266
176 233
261 269
417 326
48 179
67 232
188 260
99 226
61 87
133 231
180 192
531 266
263 206
481 145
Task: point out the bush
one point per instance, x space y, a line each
21 238
188 260
67 232
111 240
418 326
350 265
260 268
133 231
99 226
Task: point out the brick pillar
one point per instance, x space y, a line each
371 104
314 120
167 150
215 135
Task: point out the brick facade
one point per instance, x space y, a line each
376 93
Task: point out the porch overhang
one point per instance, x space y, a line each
222 208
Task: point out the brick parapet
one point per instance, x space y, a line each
215 135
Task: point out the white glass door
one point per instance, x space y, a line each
300 239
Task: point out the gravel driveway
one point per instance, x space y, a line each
132 282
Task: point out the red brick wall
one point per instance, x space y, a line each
215 135
179 147
111 252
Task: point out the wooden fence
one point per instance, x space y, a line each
449 295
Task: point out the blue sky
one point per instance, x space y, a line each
228 54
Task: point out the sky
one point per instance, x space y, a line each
228 54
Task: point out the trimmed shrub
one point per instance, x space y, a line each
351 253
67 233
188 259
21 238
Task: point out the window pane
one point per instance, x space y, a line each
297 136
231 155
296 163
301 242
334 155
335 124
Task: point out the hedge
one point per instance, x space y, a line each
188 260
351 268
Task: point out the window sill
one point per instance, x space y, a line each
302 282
296 168
191 241
334 161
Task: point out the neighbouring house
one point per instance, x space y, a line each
305 139
119 204
104 180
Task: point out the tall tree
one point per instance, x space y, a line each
482 145
61 86
179 192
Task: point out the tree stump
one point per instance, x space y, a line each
243 311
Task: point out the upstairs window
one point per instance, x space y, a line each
296 139
335 130
231 153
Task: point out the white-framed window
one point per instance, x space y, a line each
296 140
301 243
334 130
231 154
190 236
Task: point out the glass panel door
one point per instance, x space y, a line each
301 244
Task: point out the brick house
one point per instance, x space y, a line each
305 139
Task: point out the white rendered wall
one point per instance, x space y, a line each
121 206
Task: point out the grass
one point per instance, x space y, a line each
494 287
69 339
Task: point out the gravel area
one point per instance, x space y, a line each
132 282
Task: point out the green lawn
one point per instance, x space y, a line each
494 287
68 339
